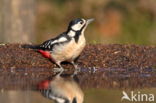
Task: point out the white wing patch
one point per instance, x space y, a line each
59 100
62 39
49 43
55 41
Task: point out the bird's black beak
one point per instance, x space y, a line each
88 21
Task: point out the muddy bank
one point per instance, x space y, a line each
24 68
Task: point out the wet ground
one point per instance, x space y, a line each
110 66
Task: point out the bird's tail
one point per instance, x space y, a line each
31 46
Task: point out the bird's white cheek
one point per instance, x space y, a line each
76 27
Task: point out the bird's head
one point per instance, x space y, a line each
79 24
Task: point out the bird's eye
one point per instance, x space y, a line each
81 22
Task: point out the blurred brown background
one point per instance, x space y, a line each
116 21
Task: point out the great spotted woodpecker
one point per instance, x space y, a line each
67 46
61 90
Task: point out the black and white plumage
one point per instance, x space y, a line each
49 44
66 46
62 90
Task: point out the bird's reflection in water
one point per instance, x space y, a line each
62 89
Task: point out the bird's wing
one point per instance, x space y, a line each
49 44
58 98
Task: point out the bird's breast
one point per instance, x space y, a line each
79 46
69 50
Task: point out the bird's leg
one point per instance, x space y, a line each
77 69
60 69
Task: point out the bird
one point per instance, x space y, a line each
61 90
67 46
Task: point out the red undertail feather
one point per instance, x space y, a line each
45 53
44 84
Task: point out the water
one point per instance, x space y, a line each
109 88
91 96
